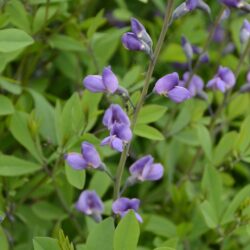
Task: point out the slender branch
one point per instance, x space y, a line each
149 73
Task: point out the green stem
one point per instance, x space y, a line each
139 105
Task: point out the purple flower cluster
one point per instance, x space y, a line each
118 123
138 39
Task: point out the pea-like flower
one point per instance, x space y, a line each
187 48
123 205
115 115
120 135
145 169
168 86
195 86
188 6
238 4
107 82
138 39
90 204
223 80
89 157
245 32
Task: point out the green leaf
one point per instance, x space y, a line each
45 243
148 132
165 248
131 77
238 106
160 226
101 236
64 242
96 22
209 214
100 183
212 186
40 17
67 43
205 140
13 166
47 211
20 130
6 107
3 240
75 177
127 233
151 113
243 194
10 85
18 15
14 39
243 142
46 116
224 148
173 53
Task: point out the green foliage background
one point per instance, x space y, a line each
46 48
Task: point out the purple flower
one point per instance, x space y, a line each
90 204
232 3
138 39
196 84
223 80
189 6
107 82
168 86
219 34
89 157
115 115
245 31
123 205
144 169
120 135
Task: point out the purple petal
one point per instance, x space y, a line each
131 42
89 203
109 80
122 131
137 167
227 76
115 114
117 144
136 27
94 83
122 205
90 155
191 4
179 94
106 141
153 172
166 83
231 3
76 161
248 77
138 217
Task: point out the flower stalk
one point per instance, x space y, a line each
120 169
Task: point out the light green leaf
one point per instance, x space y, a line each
20 130
243 194
127 233
6 107
3 240
225 146
47 211
45 243
101 236
148 132
75 177
46 116
243 141
13 166
205 140
131 77
96 22
14 39
173 53
151 113
10 85
67 43
209 214
18 15
100 182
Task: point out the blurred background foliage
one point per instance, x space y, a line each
46 48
